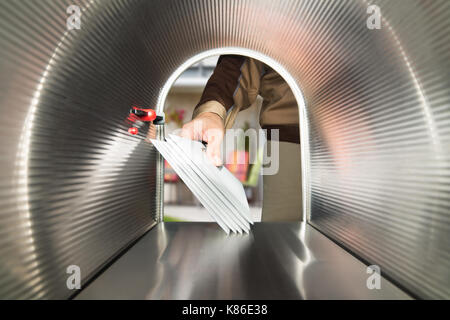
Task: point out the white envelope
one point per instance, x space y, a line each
216 188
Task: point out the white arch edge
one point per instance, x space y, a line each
303 123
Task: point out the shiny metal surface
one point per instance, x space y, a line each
212 186
275 261
160 135
380 144
75 188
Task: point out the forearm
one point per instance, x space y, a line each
218 94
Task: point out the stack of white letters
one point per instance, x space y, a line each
215 187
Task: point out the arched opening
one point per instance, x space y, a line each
182 87
75 184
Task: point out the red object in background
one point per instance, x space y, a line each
133 130
237 163
169 174
143 114
139 114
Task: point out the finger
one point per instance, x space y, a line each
199 129
187 132
214 139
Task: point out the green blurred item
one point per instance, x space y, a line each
255 169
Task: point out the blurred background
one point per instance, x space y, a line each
179 202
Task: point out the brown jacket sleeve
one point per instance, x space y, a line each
233 86
218 94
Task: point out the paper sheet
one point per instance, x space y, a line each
216 188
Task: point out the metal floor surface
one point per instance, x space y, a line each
177 260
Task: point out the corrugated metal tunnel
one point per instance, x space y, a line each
375 127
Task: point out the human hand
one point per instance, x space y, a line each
207 127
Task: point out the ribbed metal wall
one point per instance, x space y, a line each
380 144
75 188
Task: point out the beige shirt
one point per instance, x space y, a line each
234 86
